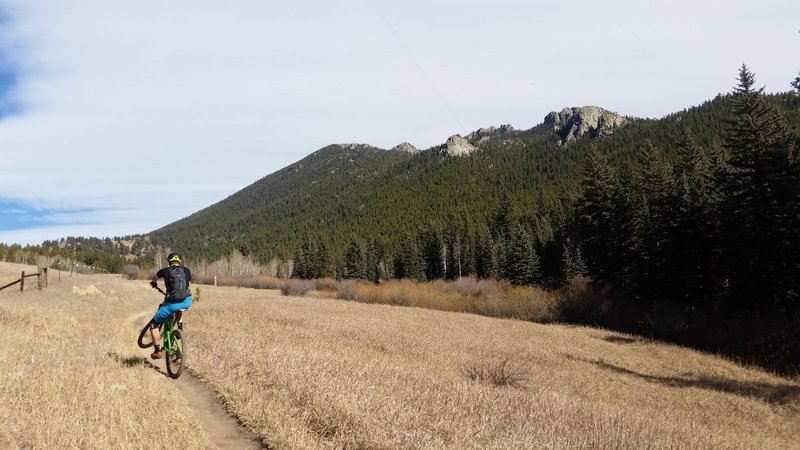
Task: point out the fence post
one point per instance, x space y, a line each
45 276
22 282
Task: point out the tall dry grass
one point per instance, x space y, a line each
71 375
491 298
321 373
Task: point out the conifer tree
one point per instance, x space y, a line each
597 218
433 255
503 219
522 263
573 263
374 262
759 225
485 261
652 214
408 261
354 262
302 266
694 226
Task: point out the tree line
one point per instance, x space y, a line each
698 241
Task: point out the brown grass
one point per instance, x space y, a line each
71 375
318 373
322 373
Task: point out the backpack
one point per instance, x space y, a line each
178 285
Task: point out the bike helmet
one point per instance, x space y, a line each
174 257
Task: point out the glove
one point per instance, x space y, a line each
154 284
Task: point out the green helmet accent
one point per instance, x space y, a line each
174 257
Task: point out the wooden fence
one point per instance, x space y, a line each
41 280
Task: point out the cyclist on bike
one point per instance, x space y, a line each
176 278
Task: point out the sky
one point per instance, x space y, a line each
121 117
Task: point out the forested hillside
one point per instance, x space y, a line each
690 223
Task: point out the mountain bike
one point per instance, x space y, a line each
173 343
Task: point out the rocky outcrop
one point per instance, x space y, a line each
573 123
406 147
483 134
457 146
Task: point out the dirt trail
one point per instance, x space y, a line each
222 429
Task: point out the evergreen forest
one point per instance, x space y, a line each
689 223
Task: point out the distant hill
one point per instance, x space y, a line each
355 190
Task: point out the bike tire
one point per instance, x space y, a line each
145 339
176 357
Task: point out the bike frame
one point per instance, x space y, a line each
166 335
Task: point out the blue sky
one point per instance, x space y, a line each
103 103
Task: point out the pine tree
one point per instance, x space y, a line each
408 262
693 232
485 261
573 263
653 209
433 255
302 266
597 218
522 263
760 228
374 262
503 219
354 262
759 221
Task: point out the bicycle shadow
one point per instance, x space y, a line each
128 361
137 361
773 393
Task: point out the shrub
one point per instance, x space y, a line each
581 301
260 282
326 284
500 372
131 271
295 286
347 289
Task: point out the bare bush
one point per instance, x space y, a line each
501 372
260 282
296 287
581 301
326 284
348 289
131 271
524 303
473 287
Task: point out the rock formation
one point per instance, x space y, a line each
482 134
573 123
457 146
406 147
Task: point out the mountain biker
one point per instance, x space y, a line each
178 297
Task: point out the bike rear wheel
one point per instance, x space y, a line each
176 354
145 338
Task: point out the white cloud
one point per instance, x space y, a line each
119 99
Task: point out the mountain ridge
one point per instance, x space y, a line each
334 185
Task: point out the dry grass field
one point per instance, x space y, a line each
321 373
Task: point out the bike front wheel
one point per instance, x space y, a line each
176 354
